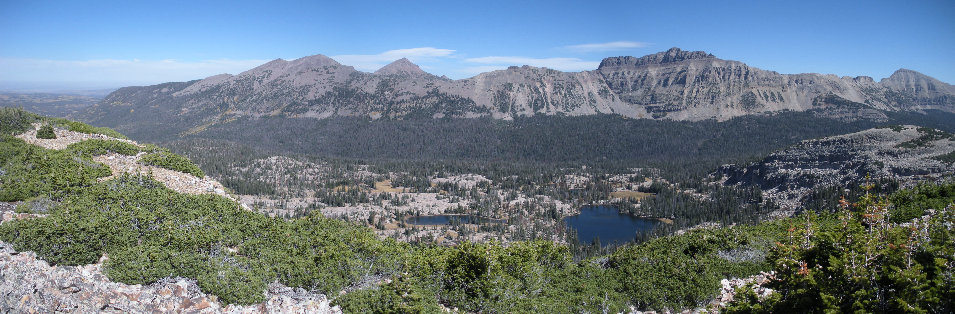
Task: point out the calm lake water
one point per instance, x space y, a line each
446 219
608 224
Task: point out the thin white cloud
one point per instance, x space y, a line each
469 71
374 62
611 46
417 52
562 64
133 71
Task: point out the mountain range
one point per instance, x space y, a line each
673 84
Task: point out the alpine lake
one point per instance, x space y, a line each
608 225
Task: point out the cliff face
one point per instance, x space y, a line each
683 85
907 154
694 85
674 84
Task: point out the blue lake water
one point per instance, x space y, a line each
608 224
447 219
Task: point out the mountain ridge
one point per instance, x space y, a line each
673 84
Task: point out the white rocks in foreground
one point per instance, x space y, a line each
31 285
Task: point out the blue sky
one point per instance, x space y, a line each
99 44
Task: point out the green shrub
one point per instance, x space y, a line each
173 162
147 263
96 147
30 171
58 240
685 270
14 121
912 203
398 296
234 283
88 129
864 265
45 132
523 277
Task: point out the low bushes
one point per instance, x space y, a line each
864 265
685 270
151 232
88 129
912 203
96 147
172 161
31 171
14 121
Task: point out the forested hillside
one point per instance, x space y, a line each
702 145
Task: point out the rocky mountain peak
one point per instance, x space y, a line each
672 55
904 72
401 66
910 80
314 61
863 79
302 64
906 75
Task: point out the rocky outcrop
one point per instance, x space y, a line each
728 288
669 56
31 285
63 138
674 84
120 164
905 153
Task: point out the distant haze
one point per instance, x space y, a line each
74 88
